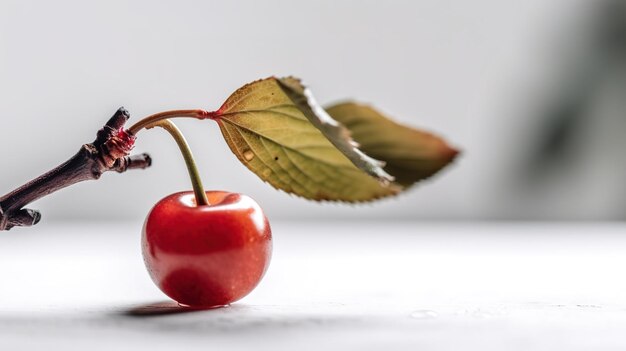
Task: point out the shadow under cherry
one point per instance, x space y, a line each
162 308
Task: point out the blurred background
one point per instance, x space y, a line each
532 92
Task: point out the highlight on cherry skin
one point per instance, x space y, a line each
208 255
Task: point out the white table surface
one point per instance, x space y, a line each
369 286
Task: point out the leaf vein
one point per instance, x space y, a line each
346 166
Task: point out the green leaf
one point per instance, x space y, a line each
410 154
269 126
334 131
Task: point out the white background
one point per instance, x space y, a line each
460 69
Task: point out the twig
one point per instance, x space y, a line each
109 152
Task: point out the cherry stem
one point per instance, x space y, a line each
152 119
194 175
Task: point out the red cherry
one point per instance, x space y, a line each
208 255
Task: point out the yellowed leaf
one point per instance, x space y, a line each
271 134
410 154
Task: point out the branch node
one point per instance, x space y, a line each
109 152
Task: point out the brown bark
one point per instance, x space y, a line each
109 152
